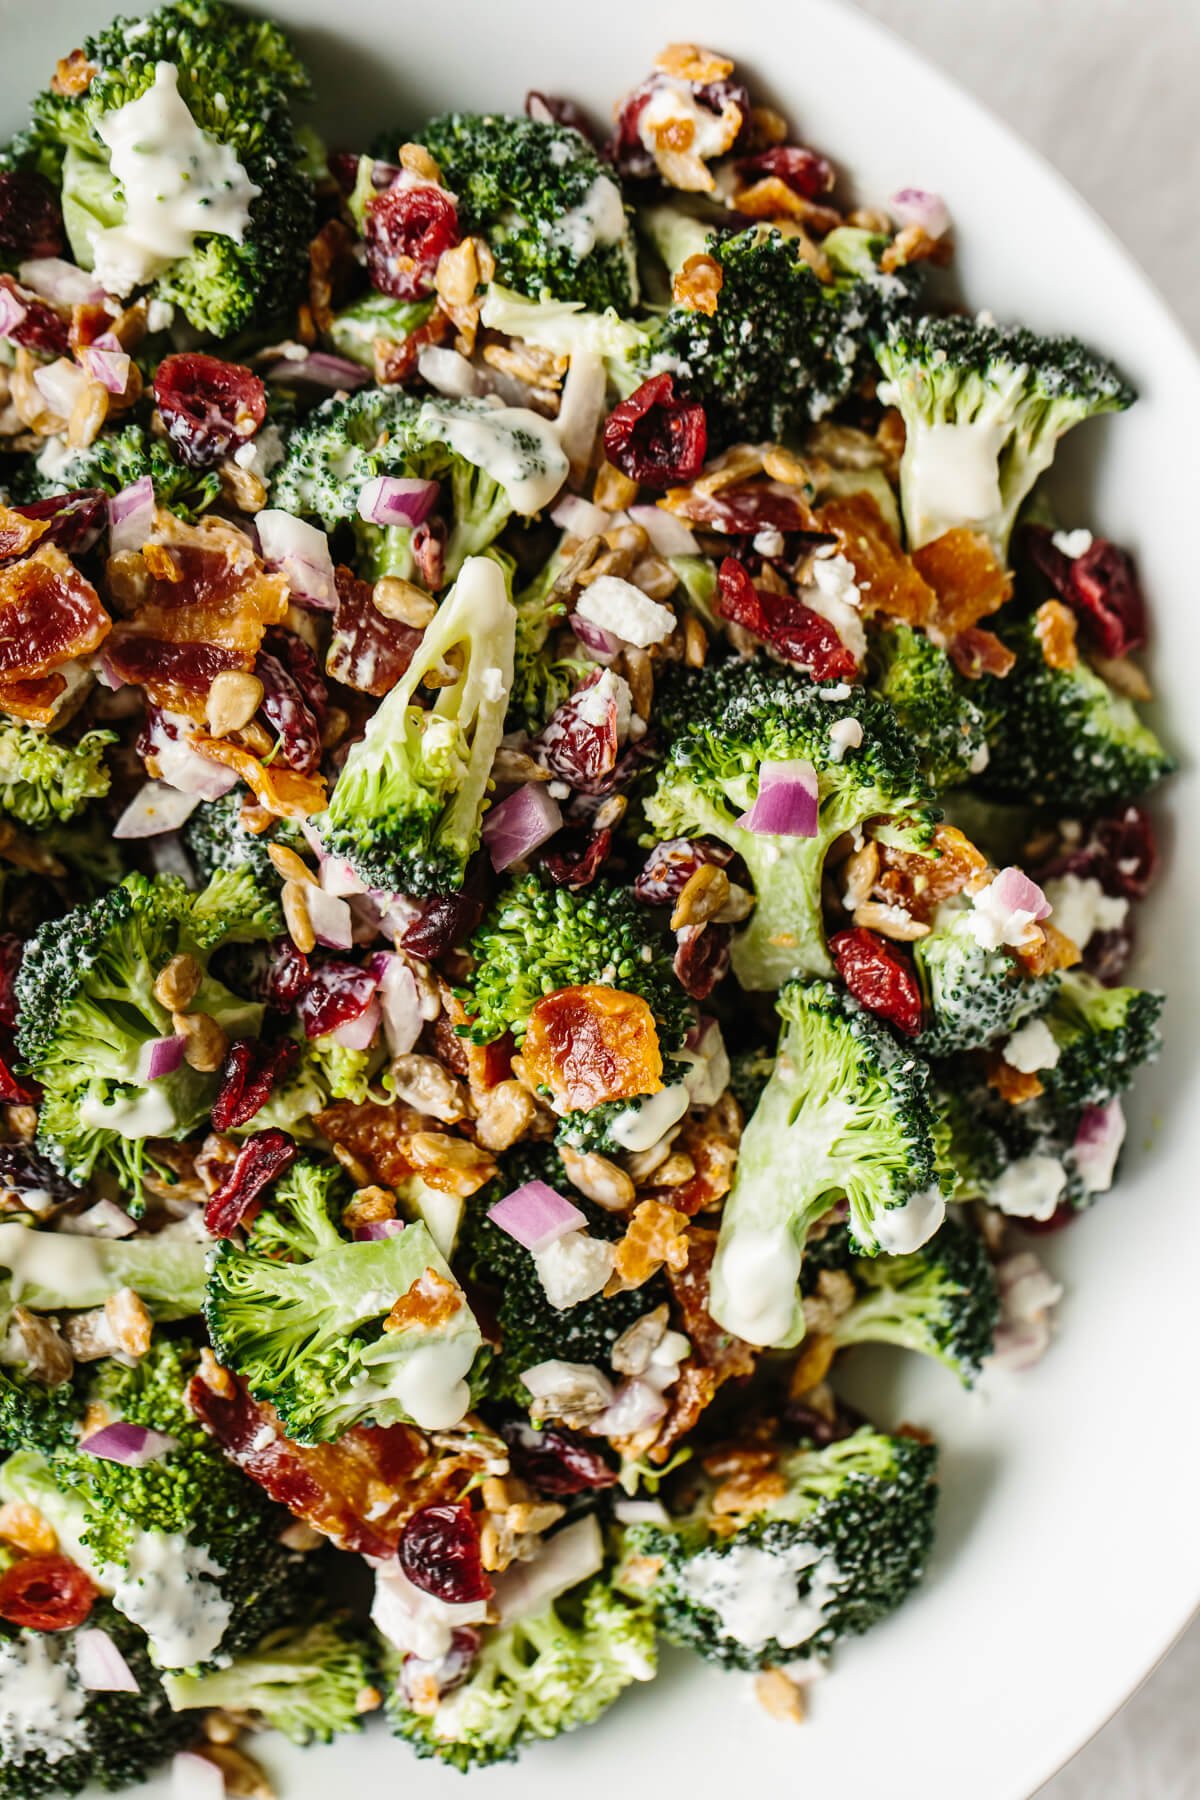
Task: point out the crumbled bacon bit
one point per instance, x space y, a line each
1013 1085
49 615
656 1235
593 1043
366 650
430 1302
1054 628
283 792
975 652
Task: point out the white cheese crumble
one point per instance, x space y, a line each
1031 1048
593 703
1082 908
573 1268
1072 543
832 591
844 734
993 924
262 453
164 1590
1029 1188
620 607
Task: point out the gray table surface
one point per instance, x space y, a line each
1107 91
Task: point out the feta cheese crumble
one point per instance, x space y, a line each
620 607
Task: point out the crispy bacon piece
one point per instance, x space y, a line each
919 883
887 579
430 1301
366 651
975 652
195 605
19 533
375 1134
711 1142
593 1043
716 1355
36 702
969 584
49 615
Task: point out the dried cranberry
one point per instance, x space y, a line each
40 326
45 1593
755 506
1107 953
14 1092
590 790
1119 851
879 976
439 1552
702 958
261 1159
209 407
551 109
11 951
336 993
27 1176
580 742
288 713
671 865
1101 586
301 663
797 633
287 975
441 924
813 1426
366 651
579 858
804 171
76 519
31 221
406 230
249 1074
625 148
656 437
556 1461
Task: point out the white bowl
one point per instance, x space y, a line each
1068 1557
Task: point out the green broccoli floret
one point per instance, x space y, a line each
115 460
722 723
49 1271
972 996
357 328
932 702
407 808
305 1680
81 1737
311 1336
940 1301
842 1548
567 328
1063 738
783 346
300 1218
537 1675
238 78
43 778
34 1416
552 212
1103 1036
846 1113
984 406
591 1130
216 839
537 937
88 1011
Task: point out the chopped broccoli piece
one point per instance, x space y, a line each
1103 1036
984 406
305 1680
34 1416
216 838
115 460
972 996
300 1217
842 1548
552 212
722 723
846 1113
932 703
49 1271
357 328
44 778
568 329
537 937
407 808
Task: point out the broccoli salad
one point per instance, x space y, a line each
571 821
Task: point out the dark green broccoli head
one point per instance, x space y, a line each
972 996
301 1215
722 723
115 460
841 1549
783 347
932 703
749 1072
34 1416
216 839
1103 1036
306 1680
550 209
45 779
537 937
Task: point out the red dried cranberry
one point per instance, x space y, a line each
76 519
804 171
879 977
289 715
428 544
31 221
287 975
441 924
209 407
551 109
406 230
656 437
261 1159
556 1461
249 1074
1107 954
301 663
579 742
590 790
671 865
1119 851
11 951
336 993
40 326
578 860
45 1593
758 506
439 1552
797 633
702 958
1101 586
28 1176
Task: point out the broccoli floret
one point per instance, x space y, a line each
44 778
841 1549
990 399
34 1416
344 1074
537 937
216 838
941 1301
536 1676
94 858
407 808
301 1216
1063 738
568 329
552 212
305 1680
723 722
238 78
356 329
88 1011
783 346
115 460
972 996
1103 1036
314 1336
49 1271
81 1736
931 702
591 1130
846 1113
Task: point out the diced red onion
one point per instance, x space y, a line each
110 367
160 1057
300 553
915 206
448 372
516 827
580 517
1098 1140
318 369
131 515
600 645
786 805
359 1033
1015 892
581 408
103 1220
668 535
636 1406
536 1216
131 1445
399 999
60 282
99 1664
60 384
155 808
195 1778
12 312
330 918
397 500
375 1229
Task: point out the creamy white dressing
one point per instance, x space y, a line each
593 702
1081 908
262 453
1031 1048
54 457
41 1701
952 477
844 734
755 1592
671 102
63 1264
640 1127
178 182
598 219
416 1622
513 445
1029 1188
149 1115
430 1385
754 1280
899 1230
162 1590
